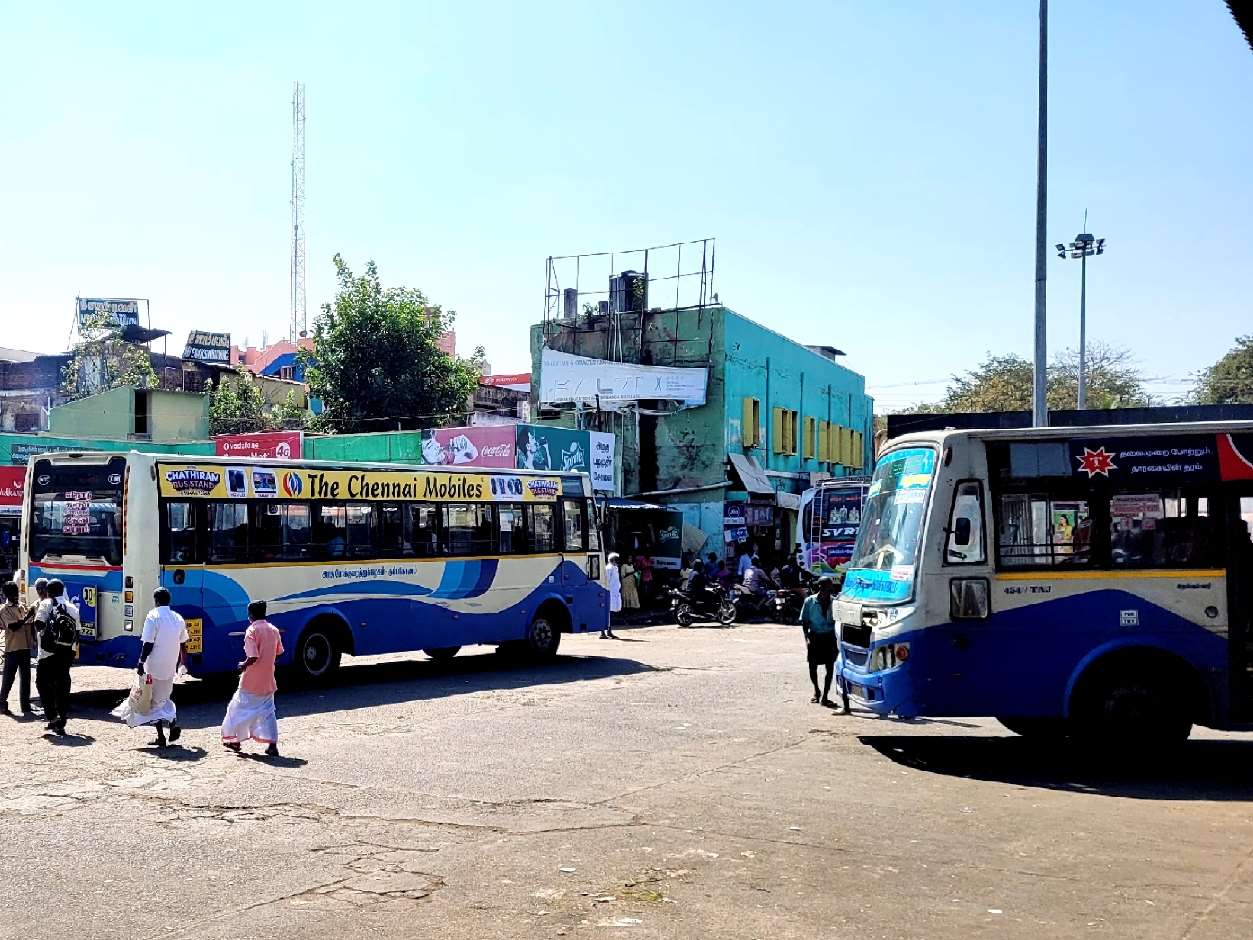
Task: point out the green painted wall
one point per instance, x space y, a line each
172 416
16 448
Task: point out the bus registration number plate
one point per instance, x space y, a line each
195 635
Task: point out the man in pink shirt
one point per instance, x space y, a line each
251 711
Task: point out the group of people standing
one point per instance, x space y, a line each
48 631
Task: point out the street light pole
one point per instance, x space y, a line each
1039 410
1083 332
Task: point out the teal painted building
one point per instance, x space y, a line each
778 415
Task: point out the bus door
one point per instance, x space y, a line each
182 567
1240 597
574 545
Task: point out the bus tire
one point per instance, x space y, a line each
1132 702
1037 729
543 636
441 654
318 652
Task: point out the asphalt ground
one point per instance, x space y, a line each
675 783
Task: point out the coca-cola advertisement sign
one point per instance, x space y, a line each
473 447
286 445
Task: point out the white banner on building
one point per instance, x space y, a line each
602 445
565 377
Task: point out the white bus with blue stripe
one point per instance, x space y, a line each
1094 581
352 558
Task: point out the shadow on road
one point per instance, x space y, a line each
366 684
1198 770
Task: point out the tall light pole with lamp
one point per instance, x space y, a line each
1083 247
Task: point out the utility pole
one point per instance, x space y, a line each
1039 410
299 319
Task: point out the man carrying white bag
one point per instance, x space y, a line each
164 651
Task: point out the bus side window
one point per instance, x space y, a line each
469 528
228 532
330 533
360 524
541 528
179 534
593 529
574 525
422 530
965 527
391 530
509 528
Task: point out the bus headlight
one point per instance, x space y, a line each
889 656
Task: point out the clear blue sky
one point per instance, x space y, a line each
868 168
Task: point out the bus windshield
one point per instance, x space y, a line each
891 526
76 510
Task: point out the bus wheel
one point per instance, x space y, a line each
442 654
317 653
1131 704
1038 729
542 637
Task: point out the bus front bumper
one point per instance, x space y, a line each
886 692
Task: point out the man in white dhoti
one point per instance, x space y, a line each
164 649
251 714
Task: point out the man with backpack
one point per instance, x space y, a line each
58 637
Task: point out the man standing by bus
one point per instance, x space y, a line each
164 649
58 637
818 625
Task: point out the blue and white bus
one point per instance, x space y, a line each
1094 581
352 558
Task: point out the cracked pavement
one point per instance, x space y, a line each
675 784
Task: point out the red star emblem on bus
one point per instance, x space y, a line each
1096 461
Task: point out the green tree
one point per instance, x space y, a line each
1229 381
1004 383
237 407
291 414
376 363
103 360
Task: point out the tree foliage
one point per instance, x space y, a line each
103 360
1004 383
377 364
240 407
1229 381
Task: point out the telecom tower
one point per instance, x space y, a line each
299 318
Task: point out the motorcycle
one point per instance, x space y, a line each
712 604
748 604
787 605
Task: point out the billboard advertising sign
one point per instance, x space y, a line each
602 446
208 347
12 484
282 444
543 448
124 312
478 447
566 377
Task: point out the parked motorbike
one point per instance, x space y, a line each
787 605
708 605
753 606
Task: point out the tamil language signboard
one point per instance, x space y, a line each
208 347
602 448
123 311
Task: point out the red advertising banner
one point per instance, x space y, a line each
12 483
284 444
516 379
472 447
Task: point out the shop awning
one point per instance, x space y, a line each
751 474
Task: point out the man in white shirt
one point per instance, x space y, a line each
164 649
52 671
